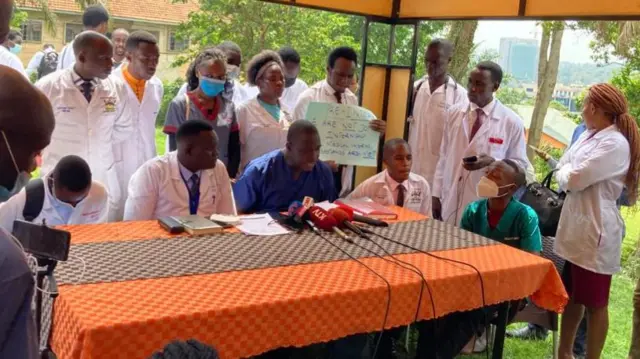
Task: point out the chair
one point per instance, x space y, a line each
535 315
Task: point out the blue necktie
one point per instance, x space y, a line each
86 90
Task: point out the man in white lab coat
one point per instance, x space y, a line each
191 180
397 185
474 136
65 196
293 86
434 96
145 96
92 113
95 18
341 68
9 50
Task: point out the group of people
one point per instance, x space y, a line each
247 148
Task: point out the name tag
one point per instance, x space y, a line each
416 196
109 104
497 141
65 109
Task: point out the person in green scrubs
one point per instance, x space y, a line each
498 215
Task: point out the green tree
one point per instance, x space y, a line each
628 81
50 18
511 96
18 18
461 34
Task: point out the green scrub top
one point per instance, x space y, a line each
518 226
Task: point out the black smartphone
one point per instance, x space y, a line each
42 241
171 225
470 159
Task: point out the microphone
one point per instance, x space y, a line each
325 221
293 208
307 203
344 218
363 219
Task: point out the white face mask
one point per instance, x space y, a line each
487 188
233 72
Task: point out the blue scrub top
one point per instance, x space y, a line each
518 226
267 184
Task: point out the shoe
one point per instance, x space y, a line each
528 333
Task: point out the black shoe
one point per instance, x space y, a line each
528 333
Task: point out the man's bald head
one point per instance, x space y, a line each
94 53
26 119
6 11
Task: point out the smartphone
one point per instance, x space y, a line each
42 241
470 159
171 225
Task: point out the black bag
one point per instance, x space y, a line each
34 199
48 64
547 203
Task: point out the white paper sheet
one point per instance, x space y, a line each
260 225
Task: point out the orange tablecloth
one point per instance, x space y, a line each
249 312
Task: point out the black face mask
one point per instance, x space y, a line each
289 81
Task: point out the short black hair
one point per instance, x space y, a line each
87 39
48 46
229 46
72 173
391 144
94 16
192 128
211 53
444 44
258 62
138 37
191 349
289 54
520 177
493 68
13 34
342 52
301 127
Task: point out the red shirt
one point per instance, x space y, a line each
493 217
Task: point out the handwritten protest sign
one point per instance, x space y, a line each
345 133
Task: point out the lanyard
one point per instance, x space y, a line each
194 198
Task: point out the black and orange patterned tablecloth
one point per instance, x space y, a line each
244 313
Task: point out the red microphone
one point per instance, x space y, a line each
325 221
344 218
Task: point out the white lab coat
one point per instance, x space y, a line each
290 96
67 57
89 130
141 146
323 92
157 190
430 113
259 131
379 189
501 137
592 172
92 209
11 60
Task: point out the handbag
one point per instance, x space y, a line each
547 203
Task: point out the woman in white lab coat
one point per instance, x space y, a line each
263 123
593 172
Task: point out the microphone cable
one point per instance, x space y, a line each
484 303
386 313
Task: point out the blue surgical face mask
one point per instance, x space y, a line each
211 87
21 179
16 49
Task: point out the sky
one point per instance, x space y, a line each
575 44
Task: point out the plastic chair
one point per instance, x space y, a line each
535 315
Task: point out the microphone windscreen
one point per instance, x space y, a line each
340 215
347 215
322 219
293 208
346 209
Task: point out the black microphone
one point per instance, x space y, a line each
344 219
363 219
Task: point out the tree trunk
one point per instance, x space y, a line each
461 35
544 53
546 85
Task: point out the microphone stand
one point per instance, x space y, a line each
45 268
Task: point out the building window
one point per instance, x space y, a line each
176 44
71 31
32 31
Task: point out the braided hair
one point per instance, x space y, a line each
210 54
615 106
191 349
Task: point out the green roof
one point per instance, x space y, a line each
556 124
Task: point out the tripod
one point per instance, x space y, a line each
44 270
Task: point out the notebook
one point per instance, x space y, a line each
368 208
196 225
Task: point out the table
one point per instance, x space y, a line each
244 313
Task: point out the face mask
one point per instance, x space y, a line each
233 72
487 188
211 87
21 179
16 49
289 81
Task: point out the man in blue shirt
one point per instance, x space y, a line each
271 182
26 124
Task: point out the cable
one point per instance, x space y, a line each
459 197
484 303
386 313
